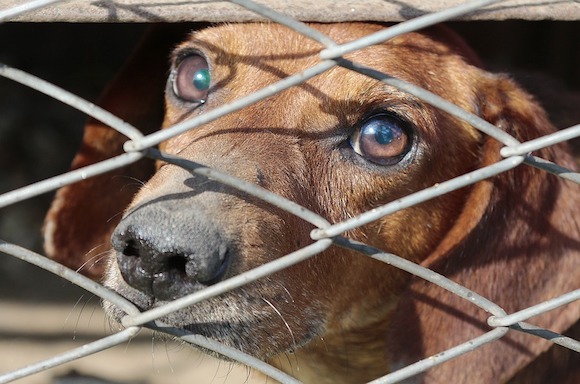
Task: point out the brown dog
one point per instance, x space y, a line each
340 144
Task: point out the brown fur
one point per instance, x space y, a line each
348 318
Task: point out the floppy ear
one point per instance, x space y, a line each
516 243
83 215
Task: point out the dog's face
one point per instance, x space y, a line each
340 144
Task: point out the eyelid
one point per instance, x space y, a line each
184 53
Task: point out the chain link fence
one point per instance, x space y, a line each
515 154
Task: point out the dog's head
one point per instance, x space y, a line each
340 144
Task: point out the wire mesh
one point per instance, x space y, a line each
325 234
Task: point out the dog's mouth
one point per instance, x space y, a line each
244 318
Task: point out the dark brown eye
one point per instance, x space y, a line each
381 139
191 79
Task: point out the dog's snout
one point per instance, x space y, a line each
167 252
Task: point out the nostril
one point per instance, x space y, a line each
189 267
177 263
131 249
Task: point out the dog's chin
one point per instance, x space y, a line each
238 319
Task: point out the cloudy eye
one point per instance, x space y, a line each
381 139
191 79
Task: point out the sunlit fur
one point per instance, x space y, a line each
347 318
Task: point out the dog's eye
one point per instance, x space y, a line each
381 139
191 79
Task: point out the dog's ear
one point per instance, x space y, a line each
83 215
516 243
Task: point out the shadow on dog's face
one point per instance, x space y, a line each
339 144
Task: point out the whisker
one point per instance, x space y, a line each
154 366
167 355
70 314
94 309
120 213
287 355
248 374
229 372
127 177
80 313
215 374
288 292
94 259
284 320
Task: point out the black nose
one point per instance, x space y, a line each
167 251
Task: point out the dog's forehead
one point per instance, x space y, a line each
266 52
260 39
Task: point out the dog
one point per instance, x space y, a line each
340 144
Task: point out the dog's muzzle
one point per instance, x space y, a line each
167 251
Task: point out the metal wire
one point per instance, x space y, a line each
166 134
74 354
436 101
244 186
56 182
324 235
229 284
11 13
418 197
70 99
424 273
542 142
432 361
68 274
406 27
535 310
555 169
234 354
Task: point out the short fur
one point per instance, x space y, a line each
346 318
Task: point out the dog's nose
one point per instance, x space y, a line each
166 251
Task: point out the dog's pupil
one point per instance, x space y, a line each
383 132
384 135
201 79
